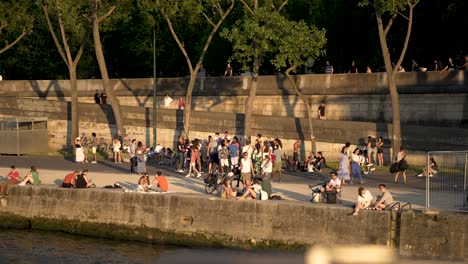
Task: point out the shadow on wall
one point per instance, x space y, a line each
464 120
53 84
148 93
179 127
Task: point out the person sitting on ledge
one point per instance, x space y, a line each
82 180
333 185
159 183
70 180
143 183
364 200
384 201
12 179
228 192
31 178
252 190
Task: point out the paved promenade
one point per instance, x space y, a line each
294 186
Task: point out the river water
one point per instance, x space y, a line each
24 246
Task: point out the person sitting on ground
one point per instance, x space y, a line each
82 180
266 185
364 200
384 201
143 183
159 183
252 190
31 178
333 185
432 169
228 192
319 162
12 179
309 162
70 180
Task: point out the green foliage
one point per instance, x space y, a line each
392 7
299 44
15 18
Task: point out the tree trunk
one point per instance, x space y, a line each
396 135
74 103
115 104
188 103
313 142
249 108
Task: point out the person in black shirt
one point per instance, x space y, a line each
228 72
353 68
321 111
97 98
103 98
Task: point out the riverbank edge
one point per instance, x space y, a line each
141 234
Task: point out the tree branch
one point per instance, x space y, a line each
80 51
218 7
247 6
2 26
389 25
52 32
282 6
109 12
407 38
401 14
64 34
208 19
176 38
7 47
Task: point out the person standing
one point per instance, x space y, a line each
343 171
355 166
278 163
321 111
94 144
79 154
116 145
403 164
180 154
133 158
328 68
234 152
84 146
353 68
228 71
296 148
181 103
212 153
103 97
97 98
246 167
193 159
380 146
140 157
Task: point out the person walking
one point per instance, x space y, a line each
140 157
94 144
180 154
402 164
380 146
356 161
343 171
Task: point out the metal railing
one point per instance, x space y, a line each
22 135
446 185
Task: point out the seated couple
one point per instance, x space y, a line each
259 190
78 180
314 163
159 183
364 201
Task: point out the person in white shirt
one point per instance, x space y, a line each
246 168
333 184
247 148
267 167
167 101
364 200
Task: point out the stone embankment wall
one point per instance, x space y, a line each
203 221
331 135
426 98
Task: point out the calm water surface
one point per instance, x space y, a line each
24 246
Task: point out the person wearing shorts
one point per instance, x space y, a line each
94 143
246 168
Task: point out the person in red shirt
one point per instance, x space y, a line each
159 183
12 178
70 179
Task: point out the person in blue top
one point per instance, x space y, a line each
234 152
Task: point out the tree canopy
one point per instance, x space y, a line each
127 39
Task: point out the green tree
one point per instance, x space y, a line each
299 45
390 10
15 22
72 26
190 11
99 16
253 38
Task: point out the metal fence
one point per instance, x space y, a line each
446 185
20 135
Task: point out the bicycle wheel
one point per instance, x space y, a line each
210 187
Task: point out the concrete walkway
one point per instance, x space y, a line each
294 186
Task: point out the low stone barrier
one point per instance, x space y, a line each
191 219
